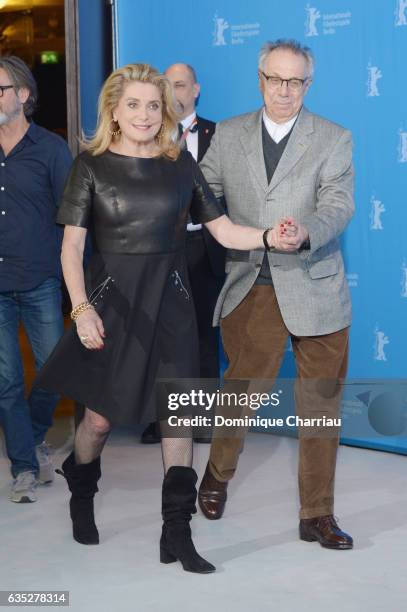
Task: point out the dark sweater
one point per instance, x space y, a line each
272 152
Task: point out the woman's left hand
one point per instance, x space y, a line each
89 327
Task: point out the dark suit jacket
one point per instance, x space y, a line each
216 253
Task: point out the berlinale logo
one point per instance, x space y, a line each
404 279
219 31
400 12
380 342
373 75
313 15
402 153
376 212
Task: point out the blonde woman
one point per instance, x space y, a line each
133 189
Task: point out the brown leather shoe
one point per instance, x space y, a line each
325 530
212 496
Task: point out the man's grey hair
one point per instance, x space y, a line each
287 44
21 77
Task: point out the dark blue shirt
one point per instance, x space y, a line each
32 179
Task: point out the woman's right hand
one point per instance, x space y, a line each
89 327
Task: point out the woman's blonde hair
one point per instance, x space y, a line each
109 97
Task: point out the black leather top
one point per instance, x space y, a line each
136 205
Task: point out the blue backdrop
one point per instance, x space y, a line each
360 82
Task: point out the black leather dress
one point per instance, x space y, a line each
136 210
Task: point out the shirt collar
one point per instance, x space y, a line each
277 131
188 120
32 132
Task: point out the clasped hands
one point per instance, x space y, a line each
287 235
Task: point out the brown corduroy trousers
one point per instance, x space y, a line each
254 337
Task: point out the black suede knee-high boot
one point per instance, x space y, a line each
82 482
178 504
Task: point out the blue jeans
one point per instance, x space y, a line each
26 421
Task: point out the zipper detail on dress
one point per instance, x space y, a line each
178 283
98 291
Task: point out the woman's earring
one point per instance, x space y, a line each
117 131
160 134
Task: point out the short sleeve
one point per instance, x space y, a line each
76 204
204 206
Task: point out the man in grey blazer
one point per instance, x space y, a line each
285 168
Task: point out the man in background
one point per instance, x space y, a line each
205 256
34 164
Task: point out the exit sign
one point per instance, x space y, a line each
49 57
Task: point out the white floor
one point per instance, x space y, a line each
261 563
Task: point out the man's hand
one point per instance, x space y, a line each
288 236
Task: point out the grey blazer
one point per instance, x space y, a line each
314 184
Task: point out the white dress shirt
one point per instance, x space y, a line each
191 139
277 131
192 146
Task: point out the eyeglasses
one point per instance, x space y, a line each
3 88
292 84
